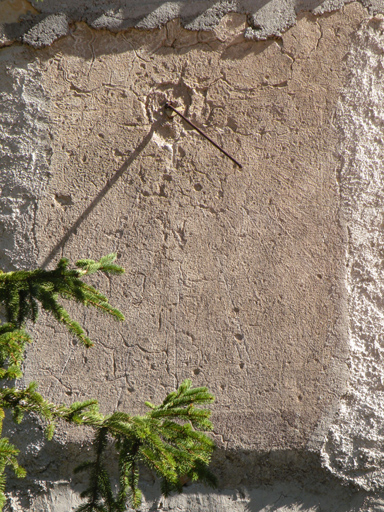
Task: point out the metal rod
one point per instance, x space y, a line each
168 105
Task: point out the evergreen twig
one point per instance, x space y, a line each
170 438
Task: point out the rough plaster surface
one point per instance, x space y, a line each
234 278
264 18
281 497
25 153
354 448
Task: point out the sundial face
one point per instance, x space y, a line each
229 272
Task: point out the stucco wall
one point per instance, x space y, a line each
262 283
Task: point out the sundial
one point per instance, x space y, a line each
171 111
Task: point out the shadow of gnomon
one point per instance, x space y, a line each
103 192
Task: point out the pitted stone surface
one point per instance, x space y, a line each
233 278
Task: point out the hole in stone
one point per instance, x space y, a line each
239 337
84 158
117 152
319 276
68 393
300 398
162 191
231 123
64 199
242 365
196 371
167 177
375 23
101 135
236 310
198 187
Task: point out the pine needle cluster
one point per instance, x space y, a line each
169 439
22 292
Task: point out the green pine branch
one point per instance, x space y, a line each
170 438
8 457
13 342
21 293
175 449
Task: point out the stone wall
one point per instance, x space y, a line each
263 283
